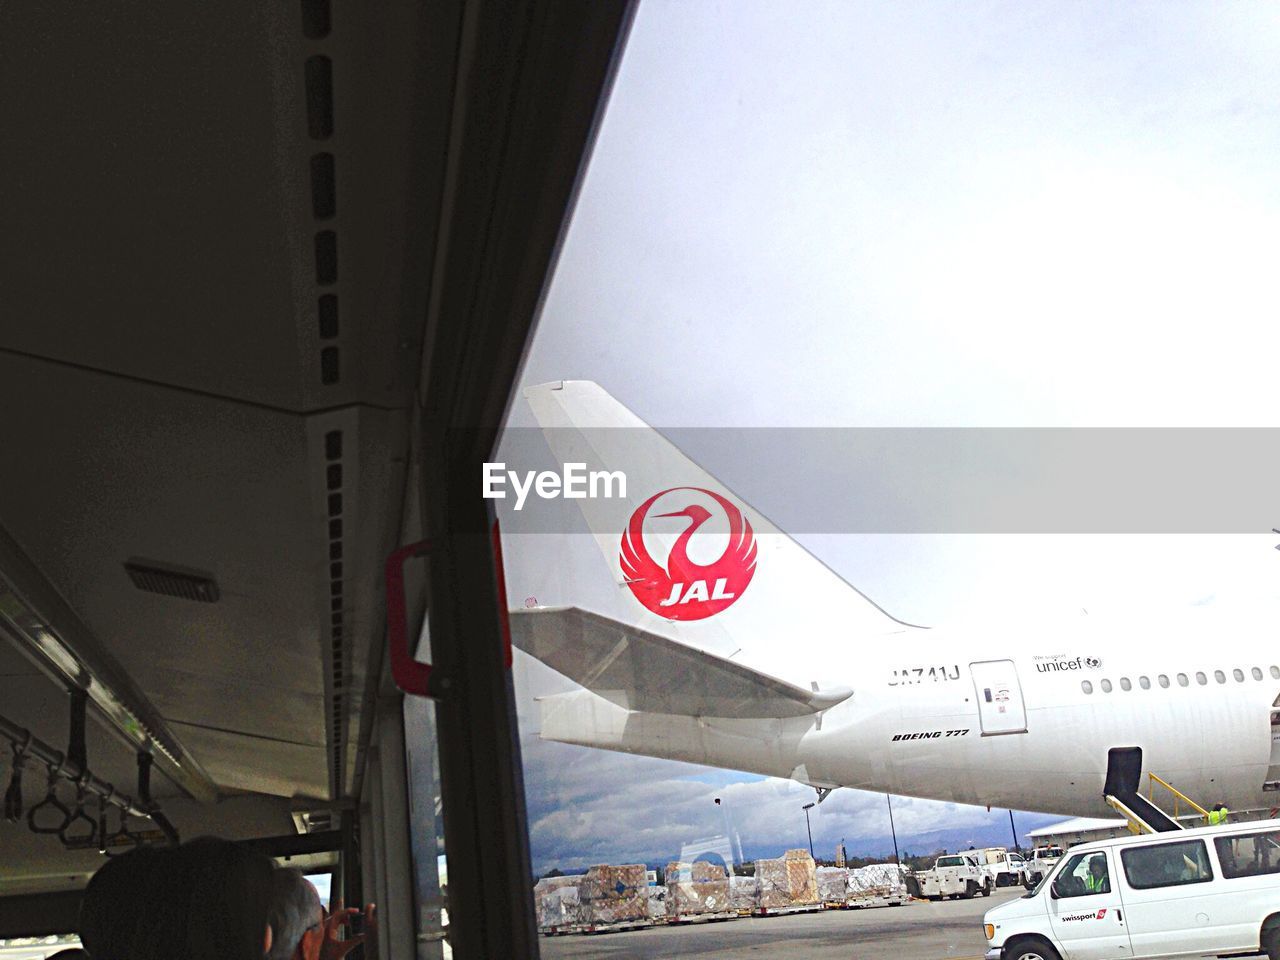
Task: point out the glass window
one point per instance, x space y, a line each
1084 875
1144 683
1086 686
1182 680
1257 673
1125 684
1106 686
1219 676
1201 678
1248 854
1275 672
1167 864
1238 674
1163 680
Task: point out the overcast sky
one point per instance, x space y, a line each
914 214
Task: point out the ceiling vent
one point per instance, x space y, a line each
173 583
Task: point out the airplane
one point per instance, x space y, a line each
732 646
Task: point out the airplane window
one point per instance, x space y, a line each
1144 683
1164 681
1086 686
1182 680
1106 686
1219 676
1238 674
1275 672
1201 678
1125 684
1257 673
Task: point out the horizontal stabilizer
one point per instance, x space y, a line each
642 671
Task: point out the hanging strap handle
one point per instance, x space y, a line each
68 835
50 800
13 795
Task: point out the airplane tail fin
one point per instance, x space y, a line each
691 561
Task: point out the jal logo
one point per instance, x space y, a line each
684 589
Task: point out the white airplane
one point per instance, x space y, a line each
739 649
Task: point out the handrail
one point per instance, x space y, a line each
1177 794
1135 823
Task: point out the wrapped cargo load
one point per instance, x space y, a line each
744 893
833 884
614 894
772 877
657 902
789 882
802 876
877 880
557 903
696 889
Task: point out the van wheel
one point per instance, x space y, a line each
1271 943
1030 950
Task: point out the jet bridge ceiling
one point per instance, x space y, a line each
213 279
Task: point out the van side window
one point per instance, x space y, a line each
1084 875
1167 865
1248 854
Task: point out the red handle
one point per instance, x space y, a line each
409 675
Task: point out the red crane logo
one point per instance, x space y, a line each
685 590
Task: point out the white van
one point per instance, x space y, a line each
1191 893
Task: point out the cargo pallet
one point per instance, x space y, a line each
619 927
779 911
702 918
862 903
558 931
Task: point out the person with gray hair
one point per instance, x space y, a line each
299 926
295 910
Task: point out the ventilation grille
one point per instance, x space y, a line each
337 640
173 583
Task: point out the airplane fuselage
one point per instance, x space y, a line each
1033 731
943 720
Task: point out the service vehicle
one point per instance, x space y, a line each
1210 891
956 875
1005 867
1042 862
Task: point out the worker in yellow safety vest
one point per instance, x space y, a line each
1096 880
1218 815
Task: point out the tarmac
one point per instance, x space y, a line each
921 930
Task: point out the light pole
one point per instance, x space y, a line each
808 829
1014 831
892 831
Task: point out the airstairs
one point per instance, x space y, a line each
1123 794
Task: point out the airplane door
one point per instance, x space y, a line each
1273 770
1001 708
